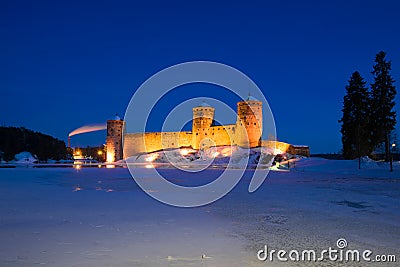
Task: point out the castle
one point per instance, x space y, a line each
246 132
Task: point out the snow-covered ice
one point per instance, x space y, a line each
100 217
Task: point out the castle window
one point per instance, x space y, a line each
197 133
255 123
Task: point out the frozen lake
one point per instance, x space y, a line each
100 217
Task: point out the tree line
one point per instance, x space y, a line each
14 140
369 119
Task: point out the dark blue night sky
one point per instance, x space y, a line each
67 64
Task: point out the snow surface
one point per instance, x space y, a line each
100 217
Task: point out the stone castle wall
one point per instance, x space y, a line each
213 136
114 140
283 147
246 132
136 143
280 146
249 123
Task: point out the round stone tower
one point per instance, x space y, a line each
249 123
203 117
114 139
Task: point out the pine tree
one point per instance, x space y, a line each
356 138
382 104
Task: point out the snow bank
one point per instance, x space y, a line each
222 155
369 167
25 158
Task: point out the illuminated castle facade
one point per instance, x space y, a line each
246 132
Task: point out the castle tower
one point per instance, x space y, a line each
203 117
249 123
114 139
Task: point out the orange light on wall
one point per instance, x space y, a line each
110 157
151 158
277 151
184 152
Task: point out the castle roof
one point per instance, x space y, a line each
204 104
251 98
116 118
